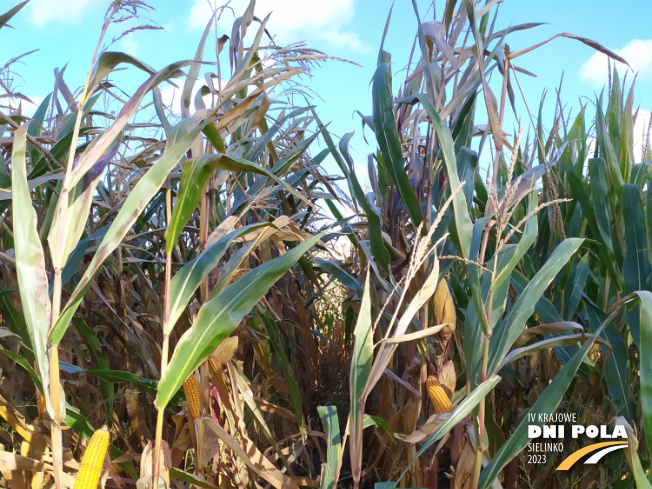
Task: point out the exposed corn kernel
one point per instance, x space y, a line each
191 390
438 397
445 310
92 463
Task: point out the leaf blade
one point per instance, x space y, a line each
30 259
218 318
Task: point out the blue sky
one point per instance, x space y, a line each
66 31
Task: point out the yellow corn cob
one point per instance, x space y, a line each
91 465
595 353
191 390
440 400
445 310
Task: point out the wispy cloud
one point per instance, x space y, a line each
44 12
130 45
27 109
296 20
638 53
171 96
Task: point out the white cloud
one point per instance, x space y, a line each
171 96
171 27
130 45
295 20
27 109
639 132
638 53
44 12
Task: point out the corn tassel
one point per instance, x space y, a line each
438 397
92 463
191 390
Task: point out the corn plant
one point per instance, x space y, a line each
494 230
228 145
192 279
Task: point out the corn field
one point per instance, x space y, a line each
194 298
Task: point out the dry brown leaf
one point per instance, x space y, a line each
147 463
550 328
225 352
410 415
464 469
425 431
448 378
268 407
246 450
136 415
17 421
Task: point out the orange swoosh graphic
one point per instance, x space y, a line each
575 456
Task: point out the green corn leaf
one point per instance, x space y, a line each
580 194
329 420
193 480
15 321
186 281
475 319
30 260
617 369
648 218
646 363
146 188
376 242
75 216
119 376
333 269
581 273
218 318
296 399
600 199
360 370
546 403
389 141
281 167
93 343
194 178
37 123
507 331
607 151
97 148
463 224
20 360
460 412
637 270
108 61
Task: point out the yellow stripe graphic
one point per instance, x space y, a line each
575 456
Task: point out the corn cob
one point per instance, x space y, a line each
445 310
438 397
595 353
92 463
191 390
